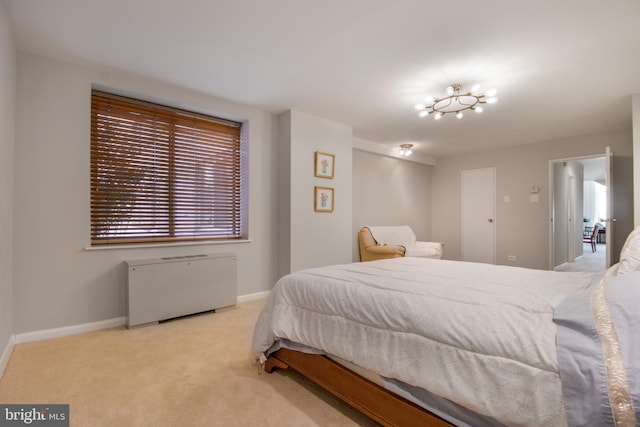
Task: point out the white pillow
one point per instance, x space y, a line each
425 250
630 254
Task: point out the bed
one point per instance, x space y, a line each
448 342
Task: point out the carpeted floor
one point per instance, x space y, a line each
195 371
589 261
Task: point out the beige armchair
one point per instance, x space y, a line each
394 242
370 250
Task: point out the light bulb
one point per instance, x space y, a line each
419 106
491 92
429 100
459 114
450 90
437 116
478 109
405 149
475 89
423 113
492 100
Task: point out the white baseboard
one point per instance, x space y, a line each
253 297
561 266
87 327
6 354
70 330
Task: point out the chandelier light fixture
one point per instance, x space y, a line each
405 149
456 101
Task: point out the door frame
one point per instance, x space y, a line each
571 218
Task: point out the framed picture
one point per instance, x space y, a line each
325 165
323 199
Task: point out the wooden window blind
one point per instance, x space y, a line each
160 174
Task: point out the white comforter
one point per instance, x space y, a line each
480 335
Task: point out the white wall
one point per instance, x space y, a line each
390 191
7 143
315 238
284 194
521 226
57 282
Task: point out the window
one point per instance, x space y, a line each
160 174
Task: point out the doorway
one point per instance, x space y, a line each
580 200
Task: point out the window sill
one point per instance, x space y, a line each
165 245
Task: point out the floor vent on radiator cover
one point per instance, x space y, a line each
170 287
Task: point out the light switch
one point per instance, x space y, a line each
533 198
507 199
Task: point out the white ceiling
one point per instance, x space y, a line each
562 68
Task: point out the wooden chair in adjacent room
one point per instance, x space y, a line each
590 236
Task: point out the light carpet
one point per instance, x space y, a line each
194 371
589 261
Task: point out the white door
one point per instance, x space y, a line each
609 220
479 215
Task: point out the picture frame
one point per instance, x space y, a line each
323 199
324 165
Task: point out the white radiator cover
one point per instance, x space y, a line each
164 288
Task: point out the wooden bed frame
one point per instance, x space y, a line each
369 398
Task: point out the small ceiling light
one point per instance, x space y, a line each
405 149
457 101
